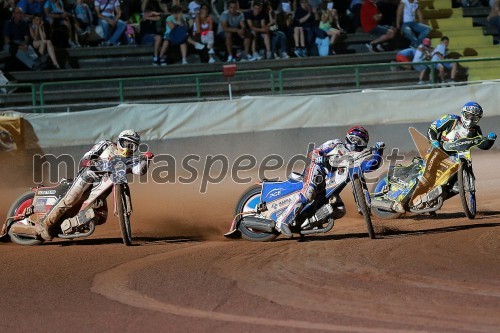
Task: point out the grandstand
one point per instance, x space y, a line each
101 76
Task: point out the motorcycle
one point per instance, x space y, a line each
418 189
260 206
81 220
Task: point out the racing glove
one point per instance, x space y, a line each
379 145
492 136
148 155
435 144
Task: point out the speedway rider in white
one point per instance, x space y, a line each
128 142
356 141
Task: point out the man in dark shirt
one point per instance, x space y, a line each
16 38
257 23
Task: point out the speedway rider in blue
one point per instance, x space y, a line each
356 141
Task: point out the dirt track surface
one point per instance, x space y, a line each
422 275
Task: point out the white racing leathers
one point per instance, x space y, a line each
104 150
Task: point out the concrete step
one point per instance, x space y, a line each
458 23
467 41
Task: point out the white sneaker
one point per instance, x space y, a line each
269 55
230 58
184 61
211 60
369 47
421 83
256 56
211 51
284 55
249 58
380 48
199 46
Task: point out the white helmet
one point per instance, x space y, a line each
128 141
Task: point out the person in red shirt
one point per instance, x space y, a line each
370 17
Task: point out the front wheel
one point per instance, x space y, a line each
363 207
122 213
380 213
17 209
247 203
466 188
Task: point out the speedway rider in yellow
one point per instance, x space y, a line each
128 142
450 128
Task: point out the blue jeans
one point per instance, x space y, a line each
411 29
278 40
117 33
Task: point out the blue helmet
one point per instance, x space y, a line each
471 114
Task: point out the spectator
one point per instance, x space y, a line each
256 22
405 55
31 8
194 9
40 41
83 18
278 36
109 13
152 28
494 19
326 25
370 17
409 11
16 39
303 22
440 53
232 26
355 8
176 33
205 27
423 53
56 16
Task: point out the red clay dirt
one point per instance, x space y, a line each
423 274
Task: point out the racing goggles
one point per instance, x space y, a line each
472 117
129 145
356 140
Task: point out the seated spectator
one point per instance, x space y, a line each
326 25
31 8
405 55
152 28
176 33
232 27
56 16
109 13
204 26
408 12
370 17
355 8
303 21
40 41
194 9
422 53
256 22
83 18
277 27
17 39
440 53
494 19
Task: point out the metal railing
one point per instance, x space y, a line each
9 88
119 82
358 67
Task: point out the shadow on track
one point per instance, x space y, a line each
136 241
448 216
393 232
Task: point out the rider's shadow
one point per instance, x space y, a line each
136 241
449 216
396 233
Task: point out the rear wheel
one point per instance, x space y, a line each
123 216
17 209
363 207
467 190
380 213
248 203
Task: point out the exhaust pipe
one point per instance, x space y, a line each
259 223
23 229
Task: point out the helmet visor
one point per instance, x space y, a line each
356 140
474 118
126 144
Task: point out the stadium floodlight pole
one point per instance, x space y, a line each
229 71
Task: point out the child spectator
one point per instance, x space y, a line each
423 53
152 26
83 18
405 55
278 37
303 22
326 25
440 53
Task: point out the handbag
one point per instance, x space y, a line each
178 35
